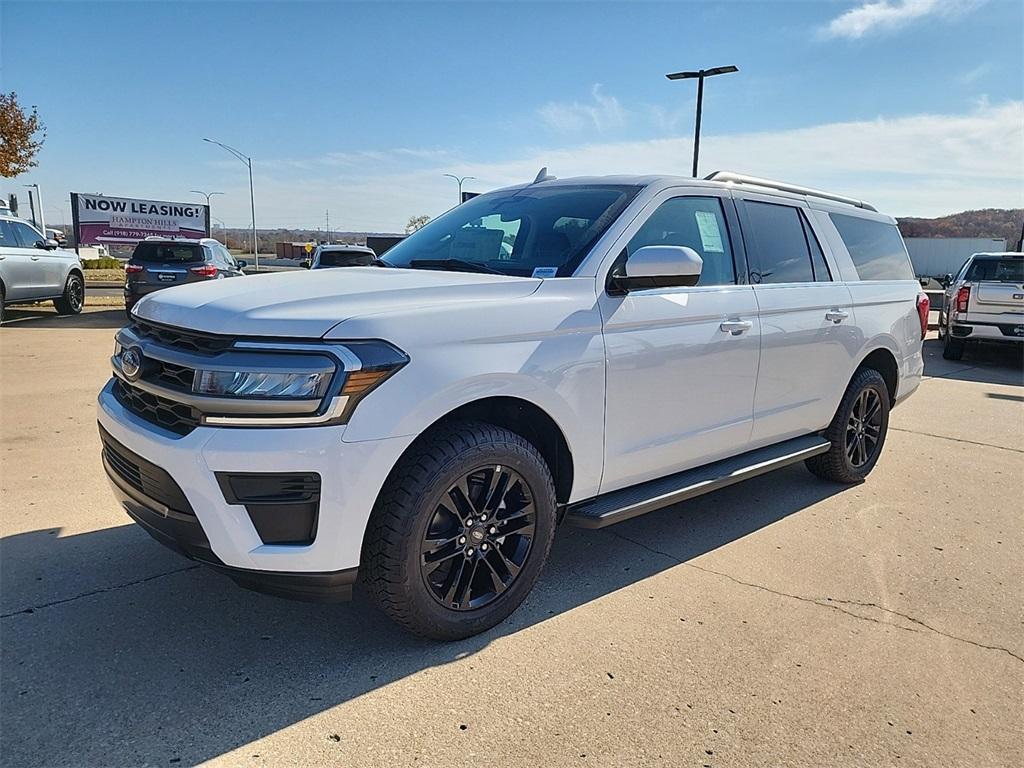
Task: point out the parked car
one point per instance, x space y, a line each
582 350
984 302
34 268
159 263
329 256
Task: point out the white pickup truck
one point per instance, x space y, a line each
581 351
984 302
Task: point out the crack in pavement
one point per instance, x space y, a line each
829 602
957 439
100 591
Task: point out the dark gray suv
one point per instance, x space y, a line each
159 263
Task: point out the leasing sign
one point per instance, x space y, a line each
102 219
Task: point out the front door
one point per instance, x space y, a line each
681 362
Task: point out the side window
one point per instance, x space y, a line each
7 238
876 248
781 254
27 236
821 271
697 223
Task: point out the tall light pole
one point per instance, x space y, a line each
459 179
39 202
252 200
700 74
207 195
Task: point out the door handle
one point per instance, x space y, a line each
34 258
736 327
836 315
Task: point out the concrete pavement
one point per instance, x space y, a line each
784 621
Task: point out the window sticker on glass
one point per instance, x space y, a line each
545 272
710 234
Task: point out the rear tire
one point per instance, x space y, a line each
452 548
73 299
953 349
857 431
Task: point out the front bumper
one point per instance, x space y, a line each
223 535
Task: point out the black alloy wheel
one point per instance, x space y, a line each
864 428
478 538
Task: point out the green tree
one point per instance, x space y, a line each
416 222
22 134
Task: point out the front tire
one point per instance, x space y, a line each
857 431
461 531
73 299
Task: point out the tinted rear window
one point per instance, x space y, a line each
997 270
345 258
876 248
167 253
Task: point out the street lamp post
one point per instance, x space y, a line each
39 202
207 195
252 200
459 179
700 74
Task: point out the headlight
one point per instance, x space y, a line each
293 384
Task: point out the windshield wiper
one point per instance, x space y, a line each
455 265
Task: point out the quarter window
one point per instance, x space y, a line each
781 253
697 223
876 248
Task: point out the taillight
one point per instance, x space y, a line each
131 269
924 304
207 270
963 296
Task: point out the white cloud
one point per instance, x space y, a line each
603 113
915 165
890 15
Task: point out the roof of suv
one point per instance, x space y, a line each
724 179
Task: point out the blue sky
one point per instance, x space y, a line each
916 105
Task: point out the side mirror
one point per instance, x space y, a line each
947 280
47 245
242 263
307 264
660 266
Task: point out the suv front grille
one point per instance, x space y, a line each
203 343
173 376
145 477
176 417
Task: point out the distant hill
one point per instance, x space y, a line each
991 222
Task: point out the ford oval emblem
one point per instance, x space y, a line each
131 363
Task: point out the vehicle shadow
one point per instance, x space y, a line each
986 363
30 318
178 665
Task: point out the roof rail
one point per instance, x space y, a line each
739 178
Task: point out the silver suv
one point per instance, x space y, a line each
34 268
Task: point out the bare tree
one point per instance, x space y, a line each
21 136
416 222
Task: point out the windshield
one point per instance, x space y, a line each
167 253
532 232
997 270
335 258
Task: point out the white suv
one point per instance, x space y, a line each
581 350
34 268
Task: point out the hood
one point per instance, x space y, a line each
307 304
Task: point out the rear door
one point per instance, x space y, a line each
18 269
808 332
164 264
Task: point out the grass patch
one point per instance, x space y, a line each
102 264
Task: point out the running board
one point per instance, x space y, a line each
636 500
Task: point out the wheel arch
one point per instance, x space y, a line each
883 360
525 419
